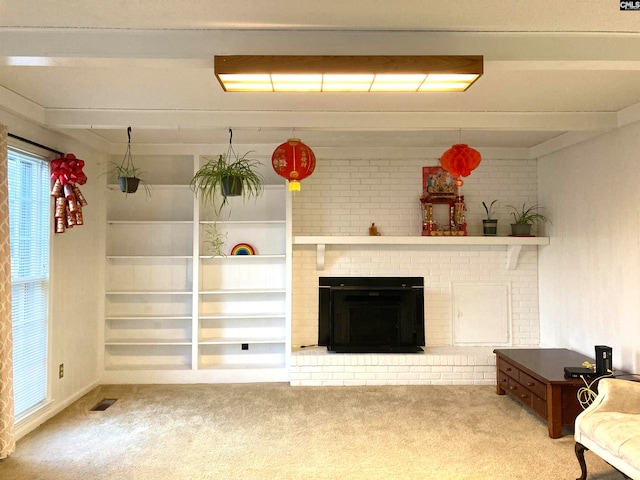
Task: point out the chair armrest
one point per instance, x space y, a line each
614 395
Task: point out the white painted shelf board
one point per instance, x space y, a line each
240 366
418 240
146 341
177 366
150 222
243 291
240 258
242 222
151 292
513 244
149 257
165 186
241 317
237 341
150 317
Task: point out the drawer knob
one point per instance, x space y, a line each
512 388
530 384
508 369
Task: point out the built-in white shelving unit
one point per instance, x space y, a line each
176 311
242 299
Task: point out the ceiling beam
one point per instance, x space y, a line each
205 44
352 121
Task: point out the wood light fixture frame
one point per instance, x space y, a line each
347 73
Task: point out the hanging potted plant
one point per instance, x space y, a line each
524 218
127 173
228 175
490 224
127 177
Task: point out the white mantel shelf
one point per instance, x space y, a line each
514 244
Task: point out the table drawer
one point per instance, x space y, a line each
508 369
519 392
537 387
503 380
539 405
525 396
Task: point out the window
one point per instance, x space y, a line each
29 240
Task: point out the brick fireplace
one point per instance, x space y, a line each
343 198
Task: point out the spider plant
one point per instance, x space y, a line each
229 175
528 215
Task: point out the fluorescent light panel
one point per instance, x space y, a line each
251 73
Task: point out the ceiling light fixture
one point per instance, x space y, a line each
318 73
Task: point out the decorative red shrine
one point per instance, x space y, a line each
439 188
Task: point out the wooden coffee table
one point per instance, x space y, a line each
535 378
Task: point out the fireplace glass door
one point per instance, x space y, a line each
380 317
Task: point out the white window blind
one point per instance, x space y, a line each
29 242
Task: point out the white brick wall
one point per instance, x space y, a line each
344 197
436 366
439 265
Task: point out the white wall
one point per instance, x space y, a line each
343 197
77 281
589 275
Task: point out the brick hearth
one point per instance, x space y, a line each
435 366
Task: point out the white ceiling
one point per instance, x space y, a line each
555 72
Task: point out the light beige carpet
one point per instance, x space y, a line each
274 431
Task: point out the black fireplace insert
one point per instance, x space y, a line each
371 314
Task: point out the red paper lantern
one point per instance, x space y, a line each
459 161
294 161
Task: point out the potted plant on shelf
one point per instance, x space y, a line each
229 175
490 224
524 219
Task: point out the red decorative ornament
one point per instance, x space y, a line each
460 160
68 169
67 174
294 161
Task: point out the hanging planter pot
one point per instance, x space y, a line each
228 175
231 186
128 184
127 173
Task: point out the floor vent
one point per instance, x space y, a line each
104 404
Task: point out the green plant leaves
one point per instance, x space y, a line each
208 180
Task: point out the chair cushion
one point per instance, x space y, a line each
619 433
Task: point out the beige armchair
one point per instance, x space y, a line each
610 427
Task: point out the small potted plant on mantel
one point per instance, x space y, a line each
490 224
229 175
524 218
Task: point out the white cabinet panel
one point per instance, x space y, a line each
481 314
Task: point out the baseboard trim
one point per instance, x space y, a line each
50 410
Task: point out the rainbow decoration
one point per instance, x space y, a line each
243 249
